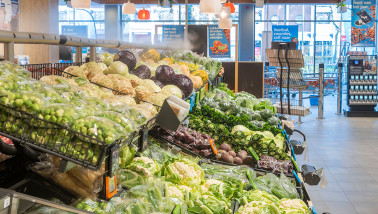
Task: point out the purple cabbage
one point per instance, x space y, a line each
165 74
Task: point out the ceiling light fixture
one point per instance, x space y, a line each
210 6
81 4
128 8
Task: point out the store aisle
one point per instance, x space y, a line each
347 149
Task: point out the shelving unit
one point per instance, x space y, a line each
362 86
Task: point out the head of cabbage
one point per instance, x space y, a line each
117 67
174 90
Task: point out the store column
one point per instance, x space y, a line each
112 22
246 32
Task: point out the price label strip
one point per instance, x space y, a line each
250 179
213 146
292 152
254 154
295 164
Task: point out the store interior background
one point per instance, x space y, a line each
324 37
324 34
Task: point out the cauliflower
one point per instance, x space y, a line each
50 80
142 92
293 206
92 71
183 171
208 183
251 207
105 93
103 80
124 86
158 98
144 165
135 81
76 71
146 109
174 192
72 82
121 100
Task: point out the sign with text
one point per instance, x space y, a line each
75 30
219 42
173 33
363 25
285 33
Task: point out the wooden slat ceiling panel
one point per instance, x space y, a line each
233 1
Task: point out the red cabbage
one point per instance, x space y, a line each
184 83
164 73
127 58
142 71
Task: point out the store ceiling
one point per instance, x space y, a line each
233 1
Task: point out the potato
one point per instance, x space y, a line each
225 147
238 161
232 153
227 158
242 154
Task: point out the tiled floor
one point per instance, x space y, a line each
347 149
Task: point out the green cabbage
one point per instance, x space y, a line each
107 58
173 90
243 129
117 67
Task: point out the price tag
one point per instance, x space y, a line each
254 154
295 164
114 160
213 146
6 202
111 187
250 179
143 139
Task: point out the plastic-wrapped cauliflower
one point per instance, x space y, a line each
81 81
148 110
123 86
142 92
158 98
121 100
53 79
76 71
103 80
258 207
50 80
144 166
92 69
105 93
183 171
135 81
293 206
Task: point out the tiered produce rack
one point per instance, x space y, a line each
54 139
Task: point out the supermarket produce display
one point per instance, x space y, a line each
230 156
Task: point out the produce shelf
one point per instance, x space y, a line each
56 139
39 70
